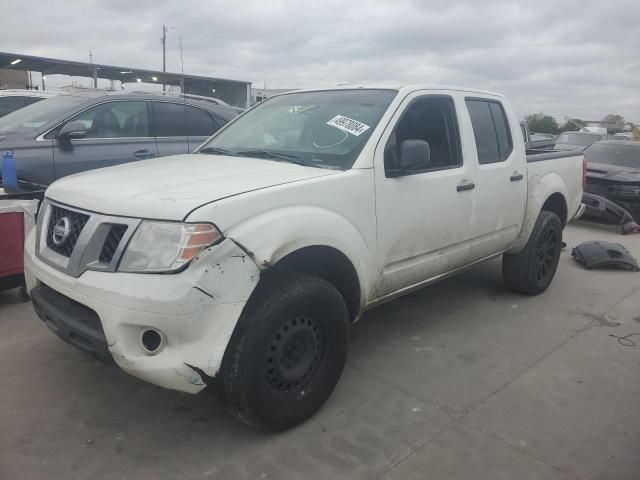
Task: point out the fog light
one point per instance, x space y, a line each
151 341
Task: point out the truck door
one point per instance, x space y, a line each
501 177
425 210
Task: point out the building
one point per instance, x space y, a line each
233 92
260 94
13 78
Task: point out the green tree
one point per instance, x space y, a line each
614 123
542 123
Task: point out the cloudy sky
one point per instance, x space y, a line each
579 58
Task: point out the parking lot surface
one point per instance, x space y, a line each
460 380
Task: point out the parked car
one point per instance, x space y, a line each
12 100
613 171
625 137
68 134
243 269
576 140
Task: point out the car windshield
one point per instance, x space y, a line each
325 129
574 138
620 154
36 115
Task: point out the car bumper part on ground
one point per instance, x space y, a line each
105 314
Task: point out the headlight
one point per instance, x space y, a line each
166 246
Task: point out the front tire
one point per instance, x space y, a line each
531 270
287 352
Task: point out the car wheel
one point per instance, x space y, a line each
531 270
287 352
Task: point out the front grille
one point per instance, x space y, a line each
76 220
116 232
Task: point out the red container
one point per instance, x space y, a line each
11 245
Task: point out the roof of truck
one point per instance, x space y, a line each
401 88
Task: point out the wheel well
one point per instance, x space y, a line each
556 204
329 264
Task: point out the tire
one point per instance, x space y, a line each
531 270
286 353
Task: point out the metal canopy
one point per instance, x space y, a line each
236 91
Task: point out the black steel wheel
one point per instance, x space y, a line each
532 270
295 353
287 352
546 255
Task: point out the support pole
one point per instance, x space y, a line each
164 52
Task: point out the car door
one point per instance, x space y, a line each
425 216
200 126
170 128
501 177
117 132
180 128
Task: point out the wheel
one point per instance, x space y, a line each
531 270
286 353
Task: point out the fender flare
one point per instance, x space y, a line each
271 236
541 188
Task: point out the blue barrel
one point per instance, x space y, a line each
9 172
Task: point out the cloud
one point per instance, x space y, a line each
571 58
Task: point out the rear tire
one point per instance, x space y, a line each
286 353
531 270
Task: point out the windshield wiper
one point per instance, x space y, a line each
283 157
216 151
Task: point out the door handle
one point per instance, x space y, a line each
142 154
516 177
465 186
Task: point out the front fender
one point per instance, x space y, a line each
541 187
272 235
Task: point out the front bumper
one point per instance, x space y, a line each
195 311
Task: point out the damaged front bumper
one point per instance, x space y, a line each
194 312
625 195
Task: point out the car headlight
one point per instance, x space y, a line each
166 246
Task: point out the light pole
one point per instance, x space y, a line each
164 52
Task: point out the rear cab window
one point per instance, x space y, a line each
490 129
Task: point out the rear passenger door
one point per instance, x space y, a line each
200 126
117 132
501 177
180 128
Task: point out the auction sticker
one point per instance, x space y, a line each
348 125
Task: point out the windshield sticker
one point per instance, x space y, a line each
348 125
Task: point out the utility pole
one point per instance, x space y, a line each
164 52
94 70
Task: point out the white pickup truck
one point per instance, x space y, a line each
241 267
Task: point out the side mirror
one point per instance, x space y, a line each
414 155
72 131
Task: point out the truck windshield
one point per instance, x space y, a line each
325 129
36 115
620 154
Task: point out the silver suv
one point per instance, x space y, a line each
72 133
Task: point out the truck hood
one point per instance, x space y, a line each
168 188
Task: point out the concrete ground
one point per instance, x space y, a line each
462 380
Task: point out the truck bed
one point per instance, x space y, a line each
541 154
